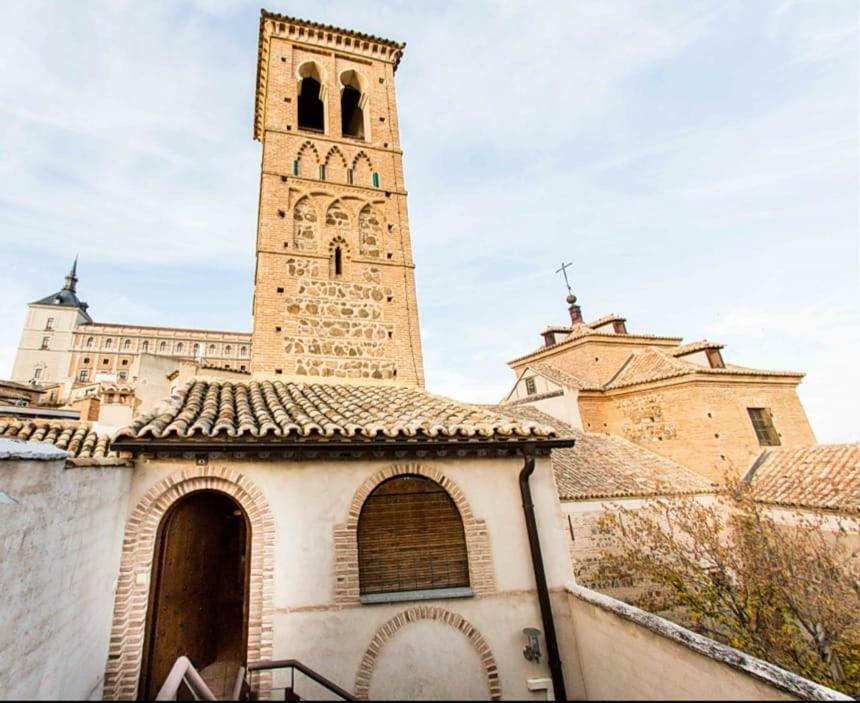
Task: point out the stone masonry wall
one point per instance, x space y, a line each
704 424
318 197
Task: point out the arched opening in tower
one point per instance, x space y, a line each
351 114
311 106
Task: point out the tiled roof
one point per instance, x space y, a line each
582 330
278 410
653 364
74 437
692 347
826 476
608 466
612 317
556 375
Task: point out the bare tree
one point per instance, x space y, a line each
787 591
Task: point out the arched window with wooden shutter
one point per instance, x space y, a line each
411 538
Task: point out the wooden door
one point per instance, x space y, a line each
197 602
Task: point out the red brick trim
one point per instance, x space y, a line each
481 574
122 672
426 612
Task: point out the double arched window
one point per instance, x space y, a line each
162 347
89 342
145 346
126 345
179 348
195 349
410 538
108 343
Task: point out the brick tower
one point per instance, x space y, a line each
334 290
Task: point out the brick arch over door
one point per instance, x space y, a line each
132 593
426 612
481 575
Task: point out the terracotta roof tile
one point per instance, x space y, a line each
74 437
692 347
653 364
608 466
556 375
826 477
301 411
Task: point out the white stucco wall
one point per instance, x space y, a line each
60 539
626 653
308 499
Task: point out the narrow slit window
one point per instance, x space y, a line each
338 262
375 178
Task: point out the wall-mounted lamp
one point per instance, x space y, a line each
532 649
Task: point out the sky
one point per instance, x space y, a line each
696 161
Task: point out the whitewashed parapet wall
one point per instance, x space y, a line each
60 539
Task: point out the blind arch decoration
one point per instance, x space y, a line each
410 538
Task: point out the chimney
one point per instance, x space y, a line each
574 310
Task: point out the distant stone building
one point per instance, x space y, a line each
61 344
682 401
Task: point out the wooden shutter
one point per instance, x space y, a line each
410 537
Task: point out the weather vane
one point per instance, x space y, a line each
563 270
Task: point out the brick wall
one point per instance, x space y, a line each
702 424
308 320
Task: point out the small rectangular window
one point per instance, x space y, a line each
49 325
322 172
530 385
45 341
83 376
349 176
375 179
762 422
37 372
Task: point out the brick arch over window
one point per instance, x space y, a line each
426 612
122 673
361 169
308 161
481 576
305 225
335 166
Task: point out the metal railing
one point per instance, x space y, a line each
295 665
183 671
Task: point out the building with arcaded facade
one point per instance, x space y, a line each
682 401
61 344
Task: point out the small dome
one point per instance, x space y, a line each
571 299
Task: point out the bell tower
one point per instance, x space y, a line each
334 289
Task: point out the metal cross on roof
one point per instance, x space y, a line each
563 270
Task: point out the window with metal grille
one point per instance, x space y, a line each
762 422
410 538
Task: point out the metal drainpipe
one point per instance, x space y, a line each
540 578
